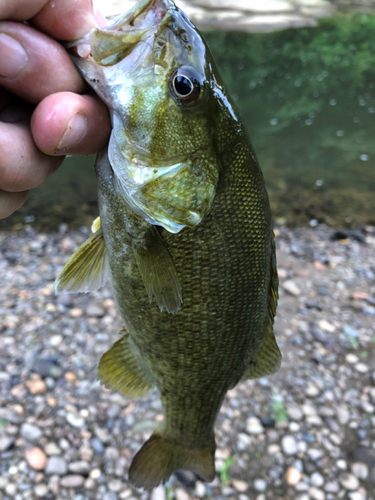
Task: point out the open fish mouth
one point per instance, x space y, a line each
109 45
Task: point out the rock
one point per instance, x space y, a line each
5 443
30 432
316 494
291 287
95 311
11 489
115 485
326 326
289 445
316 479
260 484
46 368
181 494
36 385
72 481
314 453
200 489
56 465
36 458
343 415
294 412
41 490
254 426
332 487
360 470
158 493
80 467
293 476
348 481
52 449
361 368
75 420
240 485
56 340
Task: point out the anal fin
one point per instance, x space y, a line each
87 269
268 357
121 370
158 271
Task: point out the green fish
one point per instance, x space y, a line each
184 234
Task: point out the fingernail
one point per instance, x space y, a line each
74 133
13 56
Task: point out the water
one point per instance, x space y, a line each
308 99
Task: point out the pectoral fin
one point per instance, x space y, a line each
158 271
267 359
121 370
87 269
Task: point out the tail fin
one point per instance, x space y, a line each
159 458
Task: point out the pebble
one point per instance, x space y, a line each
316 494
158 493
52 449
36 385
5 443
240 485
11 489
361 368
36 458
56 465
316 479
41 490
291 287
96 311
260 484
293 476
181 494
254 426
72 481
332 487
200 489
326 326
348 481
30 432
75 420
294 412
79 467
360 470
289 445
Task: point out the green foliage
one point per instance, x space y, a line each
224 475
278 412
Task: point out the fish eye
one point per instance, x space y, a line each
185 85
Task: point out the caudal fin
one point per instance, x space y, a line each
159 458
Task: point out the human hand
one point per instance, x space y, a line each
46 109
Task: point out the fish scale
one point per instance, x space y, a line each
189 249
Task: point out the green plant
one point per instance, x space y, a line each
169 492
224 476
278 412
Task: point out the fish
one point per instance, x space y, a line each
184 234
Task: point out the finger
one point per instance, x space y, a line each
67 123
22 165
10 202
32 65
68 19
20 10
61 19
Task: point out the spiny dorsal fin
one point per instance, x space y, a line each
158 271
87 269
121 370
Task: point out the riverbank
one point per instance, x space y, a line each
305 433
253 16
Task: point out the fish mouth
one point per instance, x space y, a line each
109 45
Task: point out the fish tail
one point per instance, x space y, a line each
159 457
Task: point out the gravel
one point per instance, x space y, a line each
307 432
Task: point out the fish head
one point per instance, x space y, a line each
153 70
